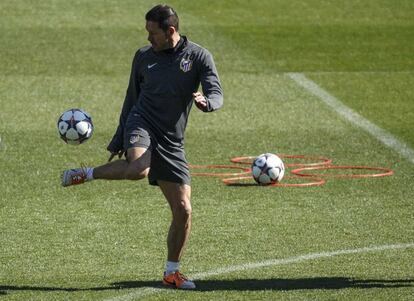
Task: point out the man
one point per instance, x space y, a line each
163 85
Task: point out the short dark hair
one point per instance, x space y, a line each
164 15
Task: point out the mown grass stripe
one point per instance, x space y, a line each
380 134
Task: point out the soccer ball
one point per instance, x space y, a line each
268 169
75 126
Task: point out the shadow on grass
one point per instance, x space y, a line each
113 286
327 283
288 284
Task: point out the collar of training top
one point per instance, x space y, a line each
181 43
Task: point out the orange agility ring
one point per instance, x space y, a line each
320 160
248 160
237 181
299 175
384 172
244 170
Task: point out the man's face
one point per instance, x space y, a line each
159 39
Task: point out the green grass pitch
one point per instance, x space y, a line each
106 240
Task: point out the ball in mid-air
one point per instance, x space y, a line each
75 126
268 169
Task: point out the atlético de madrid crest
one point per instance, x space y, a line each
186 64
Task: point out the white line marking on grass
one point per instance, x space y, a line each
312 256
333 102
267 263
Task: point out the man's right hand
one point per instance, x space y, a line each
118 153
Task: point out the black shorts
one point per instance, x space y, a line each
168 162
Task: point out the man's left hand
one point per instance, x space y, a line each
200 101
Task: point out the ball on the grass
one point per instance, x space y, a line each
268 169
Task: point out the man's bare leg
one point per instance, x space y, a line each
178 197
135 167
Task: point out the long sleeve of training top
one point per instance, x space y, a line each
161 88
131 99
210 84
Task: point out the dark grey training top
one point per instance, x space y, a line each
161 86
